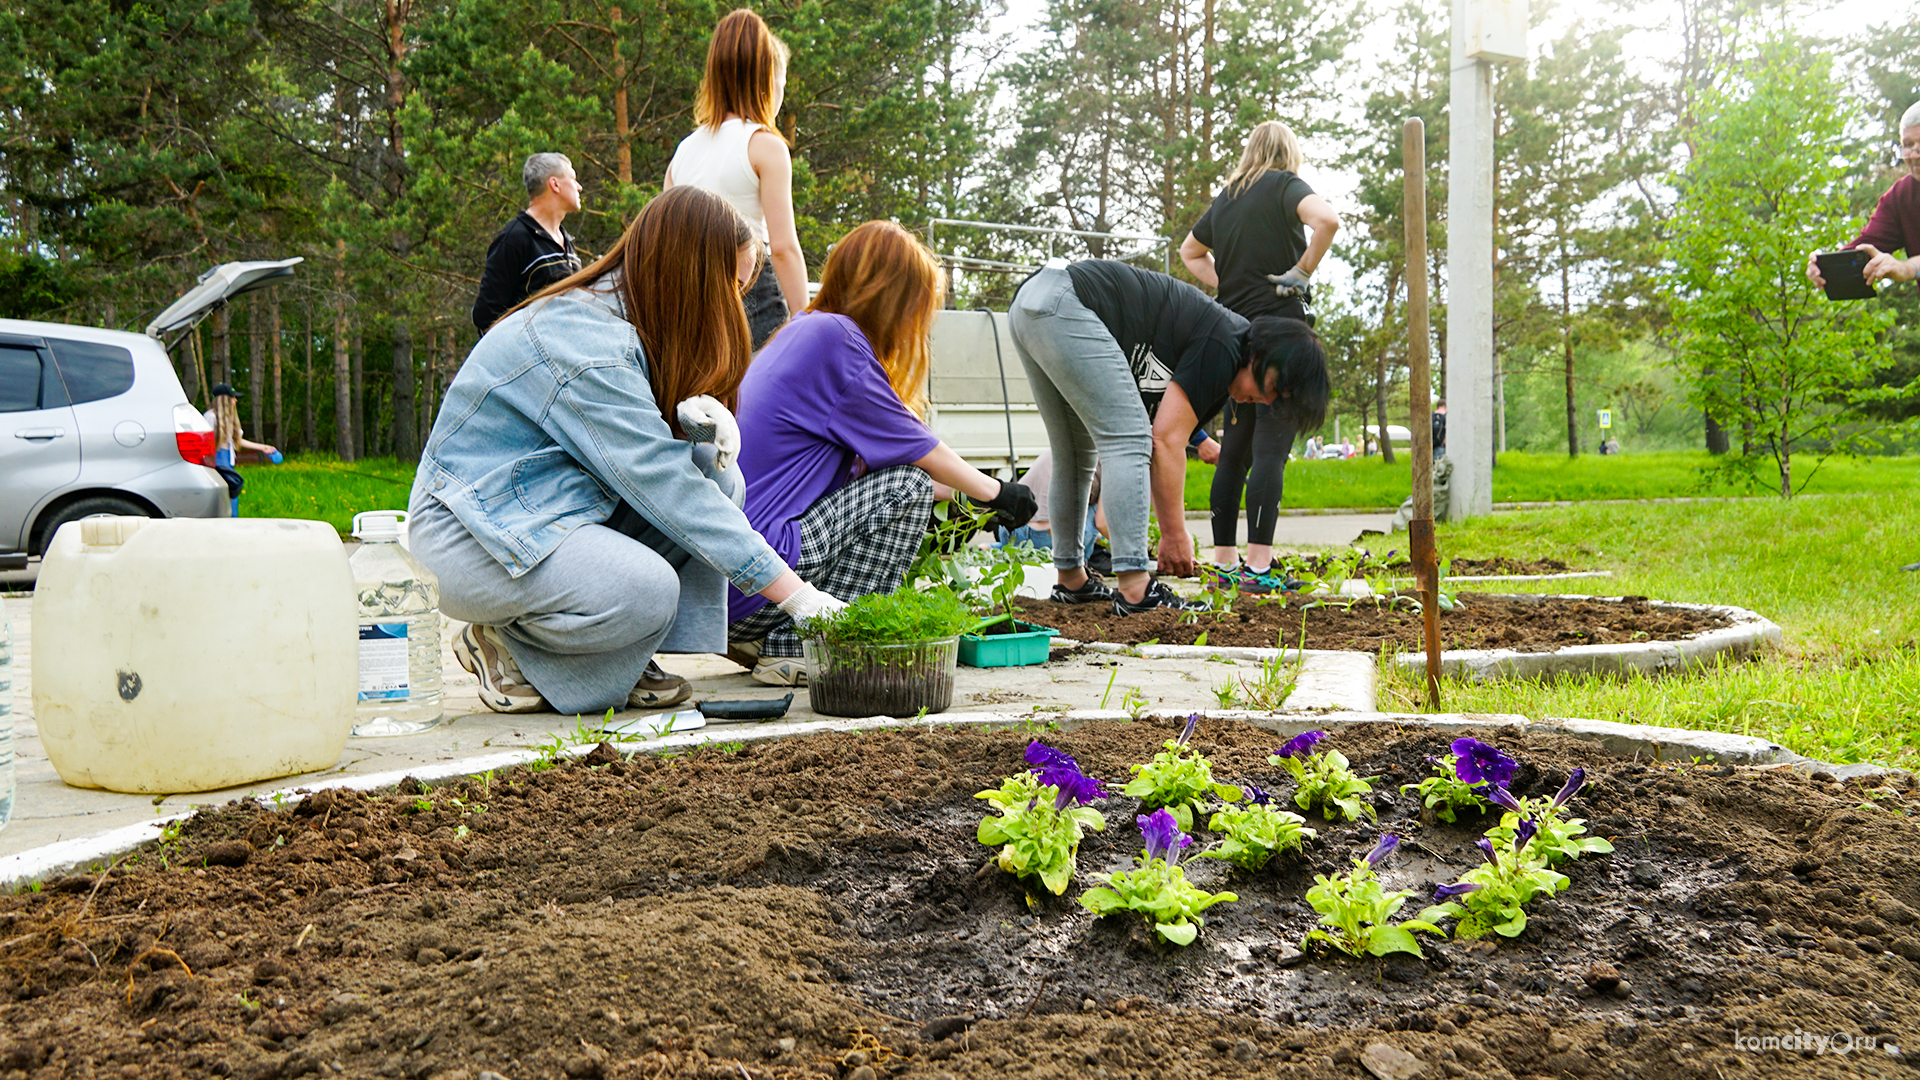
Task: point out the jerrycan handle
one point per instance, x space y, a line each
108 531
380 525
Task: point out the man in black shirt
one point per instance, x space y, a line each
1127 362
533 251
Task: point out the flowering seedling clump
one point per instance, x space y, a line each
1180 779
1489 899
1472 765
1323 779
1560 839
1256 832
1158 889
1041 817
1354 909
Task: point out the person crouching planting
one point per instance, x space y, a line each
840 467
1124 363
576 497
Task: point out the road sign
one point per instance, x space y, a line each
1606 418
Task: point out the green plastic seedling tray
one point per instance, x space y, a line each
1029 644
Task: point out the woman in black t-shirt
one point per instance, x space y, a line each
1252 246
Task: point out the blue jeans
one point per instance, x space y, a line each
1043 538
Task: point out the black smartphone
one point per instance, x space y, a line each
1842 271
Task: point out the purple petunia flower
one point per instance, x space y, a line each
1075 786
1486 848
1502 798
1163 836
1524 832
1186 733
1301 745
1256 796
1384 848
1040 756
1573 785
1477 763
1447 892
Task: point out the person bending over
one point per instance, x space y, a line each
1124 363
840 467
577 497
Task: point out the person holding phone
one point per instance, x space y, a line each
1895 224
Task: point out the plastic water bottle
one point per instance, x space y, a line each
399 631
6 724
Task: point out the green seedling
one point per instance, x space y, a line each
1254 833
1560 839
1179 779
1134 702
1323 779
1491 898
1040 817
1158 889
1355 910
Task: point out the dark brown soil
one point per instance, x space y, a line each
1479 622
1396 561
820 907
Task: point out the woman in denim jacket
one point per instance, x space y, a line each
577 524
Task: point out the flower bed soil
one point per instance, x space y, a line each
820 907
1499 565
1478 622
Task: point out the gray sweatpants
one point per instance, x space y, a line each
584 622
1088 399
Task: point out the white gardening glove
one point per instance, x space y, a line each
704 419
808 602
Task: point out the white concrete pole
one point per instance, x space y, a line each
1469 390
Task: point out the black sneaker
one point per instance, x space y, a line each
1094 591
1100 562
1158 596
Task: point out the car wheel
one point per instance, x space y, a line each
92 506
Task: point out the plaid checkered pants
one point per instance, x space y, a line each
856 540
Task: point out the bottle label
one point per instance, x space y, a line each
383 661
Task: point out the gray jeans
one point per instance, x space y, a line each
1091 405
583 624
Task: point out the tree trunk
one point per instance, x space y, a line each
342 363
308 425
1380 370
273 345
256 373
622 132
406 437
357 393
1566 341
221 348
1717 441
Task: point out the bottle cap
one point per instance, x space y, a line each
376 525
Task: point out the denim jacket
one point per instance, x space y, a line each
551 420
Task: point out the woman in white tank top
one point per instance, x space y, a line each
737 154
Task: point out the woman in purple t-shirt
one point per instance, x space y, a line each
839 466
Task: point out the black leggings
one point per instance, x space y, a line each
1253 453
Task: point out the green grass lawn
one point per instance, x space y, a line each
322 488
1844 687
1371 483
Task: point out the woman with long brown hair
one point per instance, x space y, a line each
840 467
577 498
739 154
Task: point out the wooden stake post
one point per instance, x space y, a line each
1426 567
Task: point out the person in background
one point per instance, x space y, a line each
1038 532
602 398
1895 223
737 153
231 440
532 251
840 467
1124 363
1257 245
1440 428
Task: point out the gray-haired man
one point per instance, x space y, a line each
533 251
1896 220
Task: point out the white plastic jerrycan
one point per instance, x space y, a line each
186 655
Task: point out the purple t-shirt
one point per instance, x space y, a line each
814 402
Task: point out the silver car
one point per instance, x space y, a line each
95 422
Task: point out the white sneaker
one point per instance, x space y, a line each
781 671
482 650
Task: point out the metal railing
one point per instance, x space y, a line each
952 261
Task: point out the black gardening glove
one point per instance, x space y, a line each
1014 506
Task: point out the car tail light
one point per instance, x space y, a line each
192 434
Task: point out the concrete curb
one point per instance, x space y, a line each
1749 633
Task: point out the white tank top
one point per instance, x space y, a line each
717 161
